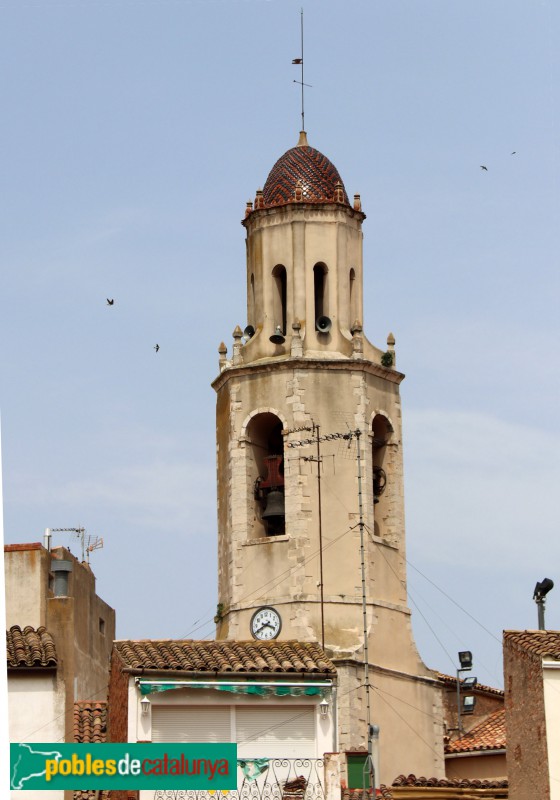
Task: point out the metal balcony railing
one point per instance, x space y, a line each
263 779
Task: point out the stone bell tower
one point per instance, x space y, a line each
303 398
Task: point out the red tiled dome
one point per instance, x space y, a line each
317 174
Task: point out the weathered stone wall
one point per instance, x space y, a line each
117 707
527 757
408 711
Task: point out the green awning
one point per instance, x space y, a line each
262 689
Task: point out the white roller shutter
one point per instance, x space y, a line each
191 724
272 732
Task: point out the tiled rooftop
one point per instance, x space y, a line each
30 648
450 681
90 726
488 735
412 780
14 548
90 722
222 656
318 177
544 644
483 788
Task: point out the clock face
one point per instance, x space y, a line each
265 624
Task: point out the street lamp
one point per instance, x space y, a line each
465 659
466 663
541 591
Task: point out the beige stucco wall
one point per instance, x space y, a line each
83 649
489 765
36 714
35 702
26 574
407 708
551 688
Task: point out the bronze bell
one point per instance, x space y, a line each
274 505
277 337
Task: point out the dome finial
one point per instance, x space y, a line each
302 142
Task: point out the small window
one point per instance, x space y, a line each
280 297
352 299
381 435
101 626
320 285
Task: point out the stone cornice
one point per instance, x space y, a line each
345 661
285 364
288 212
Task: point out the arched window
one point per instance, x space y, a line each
381 433
352 300
266 468
320 290
251 316
280 283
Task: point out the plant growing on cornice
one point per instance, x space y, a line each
219 613
387 359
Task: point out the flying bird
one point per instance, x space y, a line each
483 167
514 152
110 301
156 347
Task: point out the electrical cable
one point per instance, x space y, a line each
455 603
273 582
403 719
403 584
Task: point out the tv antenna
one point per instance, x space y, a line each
299 62
87 547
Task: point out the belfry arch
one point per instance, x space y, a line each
280 297
265 473
381 433
320 291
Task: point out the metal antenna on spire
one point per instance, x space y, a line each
302 84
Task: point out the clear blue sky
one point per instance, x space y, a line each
134 132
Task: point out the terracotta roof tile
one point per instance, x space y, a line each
487 735
544 644
462 783
90 726
14 548
317 176
90 722
485 788
30 648
448 680
223 656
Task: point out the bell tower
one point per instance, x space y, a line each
309 444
